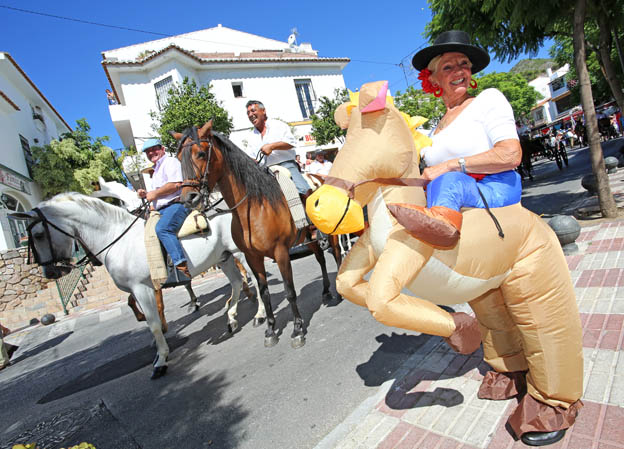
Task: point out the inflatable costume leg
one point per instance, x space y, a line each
502 348
550 329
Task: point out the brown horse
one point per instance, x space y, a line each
261 222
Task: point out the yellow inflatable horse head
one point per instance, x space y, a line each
518 286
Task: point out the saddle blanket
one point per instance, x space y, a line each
291 194
195 222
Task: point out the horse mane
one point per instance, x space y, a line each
111 211
259 183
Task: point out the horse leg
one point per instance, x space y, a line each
161 309
243 273
283 262
260 316
146 299
194 306
320 258
133 305
257 266
232 272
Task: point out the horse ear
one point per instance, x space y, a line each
175 135
206 129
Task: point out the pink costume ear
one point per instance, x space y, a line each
379 102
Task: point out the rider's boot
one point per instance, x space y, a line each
438 226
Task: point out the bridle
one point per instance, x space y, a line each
55 259
200 181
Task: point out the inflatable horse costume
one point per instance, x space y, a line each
519 286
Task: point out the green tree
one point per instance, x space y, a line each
73 162
510 28
189 105
416 102
324 128
515 88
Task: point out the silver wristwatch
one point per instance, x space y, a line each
462 164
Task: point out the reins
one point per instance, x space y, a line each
89 257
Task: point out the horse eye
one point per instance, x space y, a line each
38 235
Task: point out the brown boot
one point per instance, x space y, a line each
183 267
438 226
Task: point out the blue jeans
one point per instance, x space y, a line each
171 218
456 190
301 184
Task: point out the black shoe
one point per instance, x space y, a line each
542 438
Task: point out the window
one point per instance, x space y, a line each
305 95
18 227
237 88
557 84
27 154
162 91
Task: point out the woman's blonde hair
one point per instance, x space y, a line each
433 64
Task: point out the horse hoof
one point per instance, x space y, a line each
258 322
232 327
327 298
159 371
195 308
271 341
297 342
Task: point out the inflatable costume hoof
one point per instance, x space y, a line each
466 338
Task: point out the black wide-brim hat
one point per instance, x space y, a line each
452 41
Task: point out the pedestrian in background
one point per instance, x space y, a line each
6 349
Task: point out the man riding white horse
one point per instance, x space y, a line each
164 196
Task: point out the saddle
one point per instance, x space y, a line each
291 194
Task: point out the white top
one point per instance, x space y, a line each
167 169
276 131
488 119
316 168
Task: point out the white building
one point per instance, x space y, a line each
27 119
556 102
288 78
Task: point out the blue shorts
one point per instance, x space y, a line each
456 190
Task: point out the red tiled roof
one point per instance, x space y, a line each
253 57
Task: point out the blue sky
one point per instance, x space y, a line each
62 57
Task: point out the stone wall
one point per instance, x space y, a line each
20 286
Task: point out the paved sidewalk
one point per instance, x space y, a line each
432 402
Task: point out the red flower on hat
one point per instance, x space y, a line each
423 76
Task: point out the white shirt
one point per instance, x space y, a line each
488 119
316 168
167 169
276 131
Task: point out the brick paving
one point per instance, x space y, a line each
432 402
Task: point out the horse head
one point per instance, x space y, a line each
51 247
113 189
202 164
382 144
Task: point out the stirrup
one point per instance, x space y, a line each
176 277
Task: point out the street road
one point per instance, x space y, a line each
87 378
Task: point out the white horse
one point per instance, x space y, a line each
131 202
58 222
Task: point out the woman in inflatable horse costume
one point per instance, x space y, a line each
518 286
